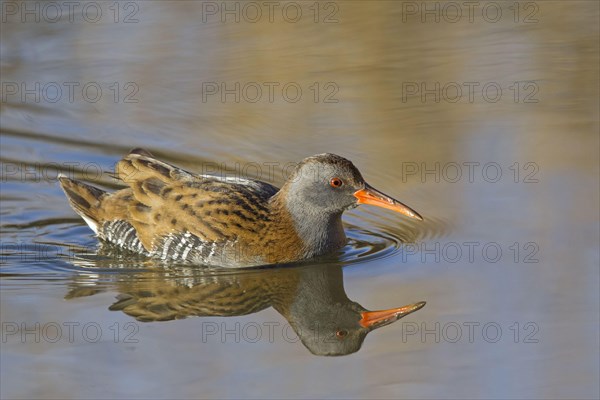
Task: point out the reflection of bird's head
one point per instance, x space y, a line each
341 328
332 331
326 320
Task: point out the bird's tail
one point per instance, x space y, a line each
84 199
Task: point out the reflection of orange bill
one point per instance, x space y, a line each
375 319
374 197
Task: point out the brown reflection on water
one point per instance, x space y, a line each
312 300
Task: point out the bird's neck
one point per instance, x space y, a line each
320 233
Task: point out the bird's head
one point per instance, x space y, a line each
330 184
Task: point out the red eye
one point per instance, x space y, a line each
336 182
341 334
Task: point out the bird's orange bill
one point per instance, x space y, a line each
375 319
372 196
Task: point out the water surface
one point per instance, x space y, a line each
506 178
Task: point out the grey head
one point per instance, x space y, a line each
319 190
324 184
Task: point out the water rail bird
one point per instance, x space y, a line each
174 215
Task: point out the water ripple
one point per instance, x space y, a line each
373 236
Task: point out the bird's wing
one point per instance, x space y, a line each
165 205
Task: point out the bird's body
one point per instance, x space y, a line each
171 214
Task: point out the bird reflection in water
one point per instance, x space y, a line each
311 298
